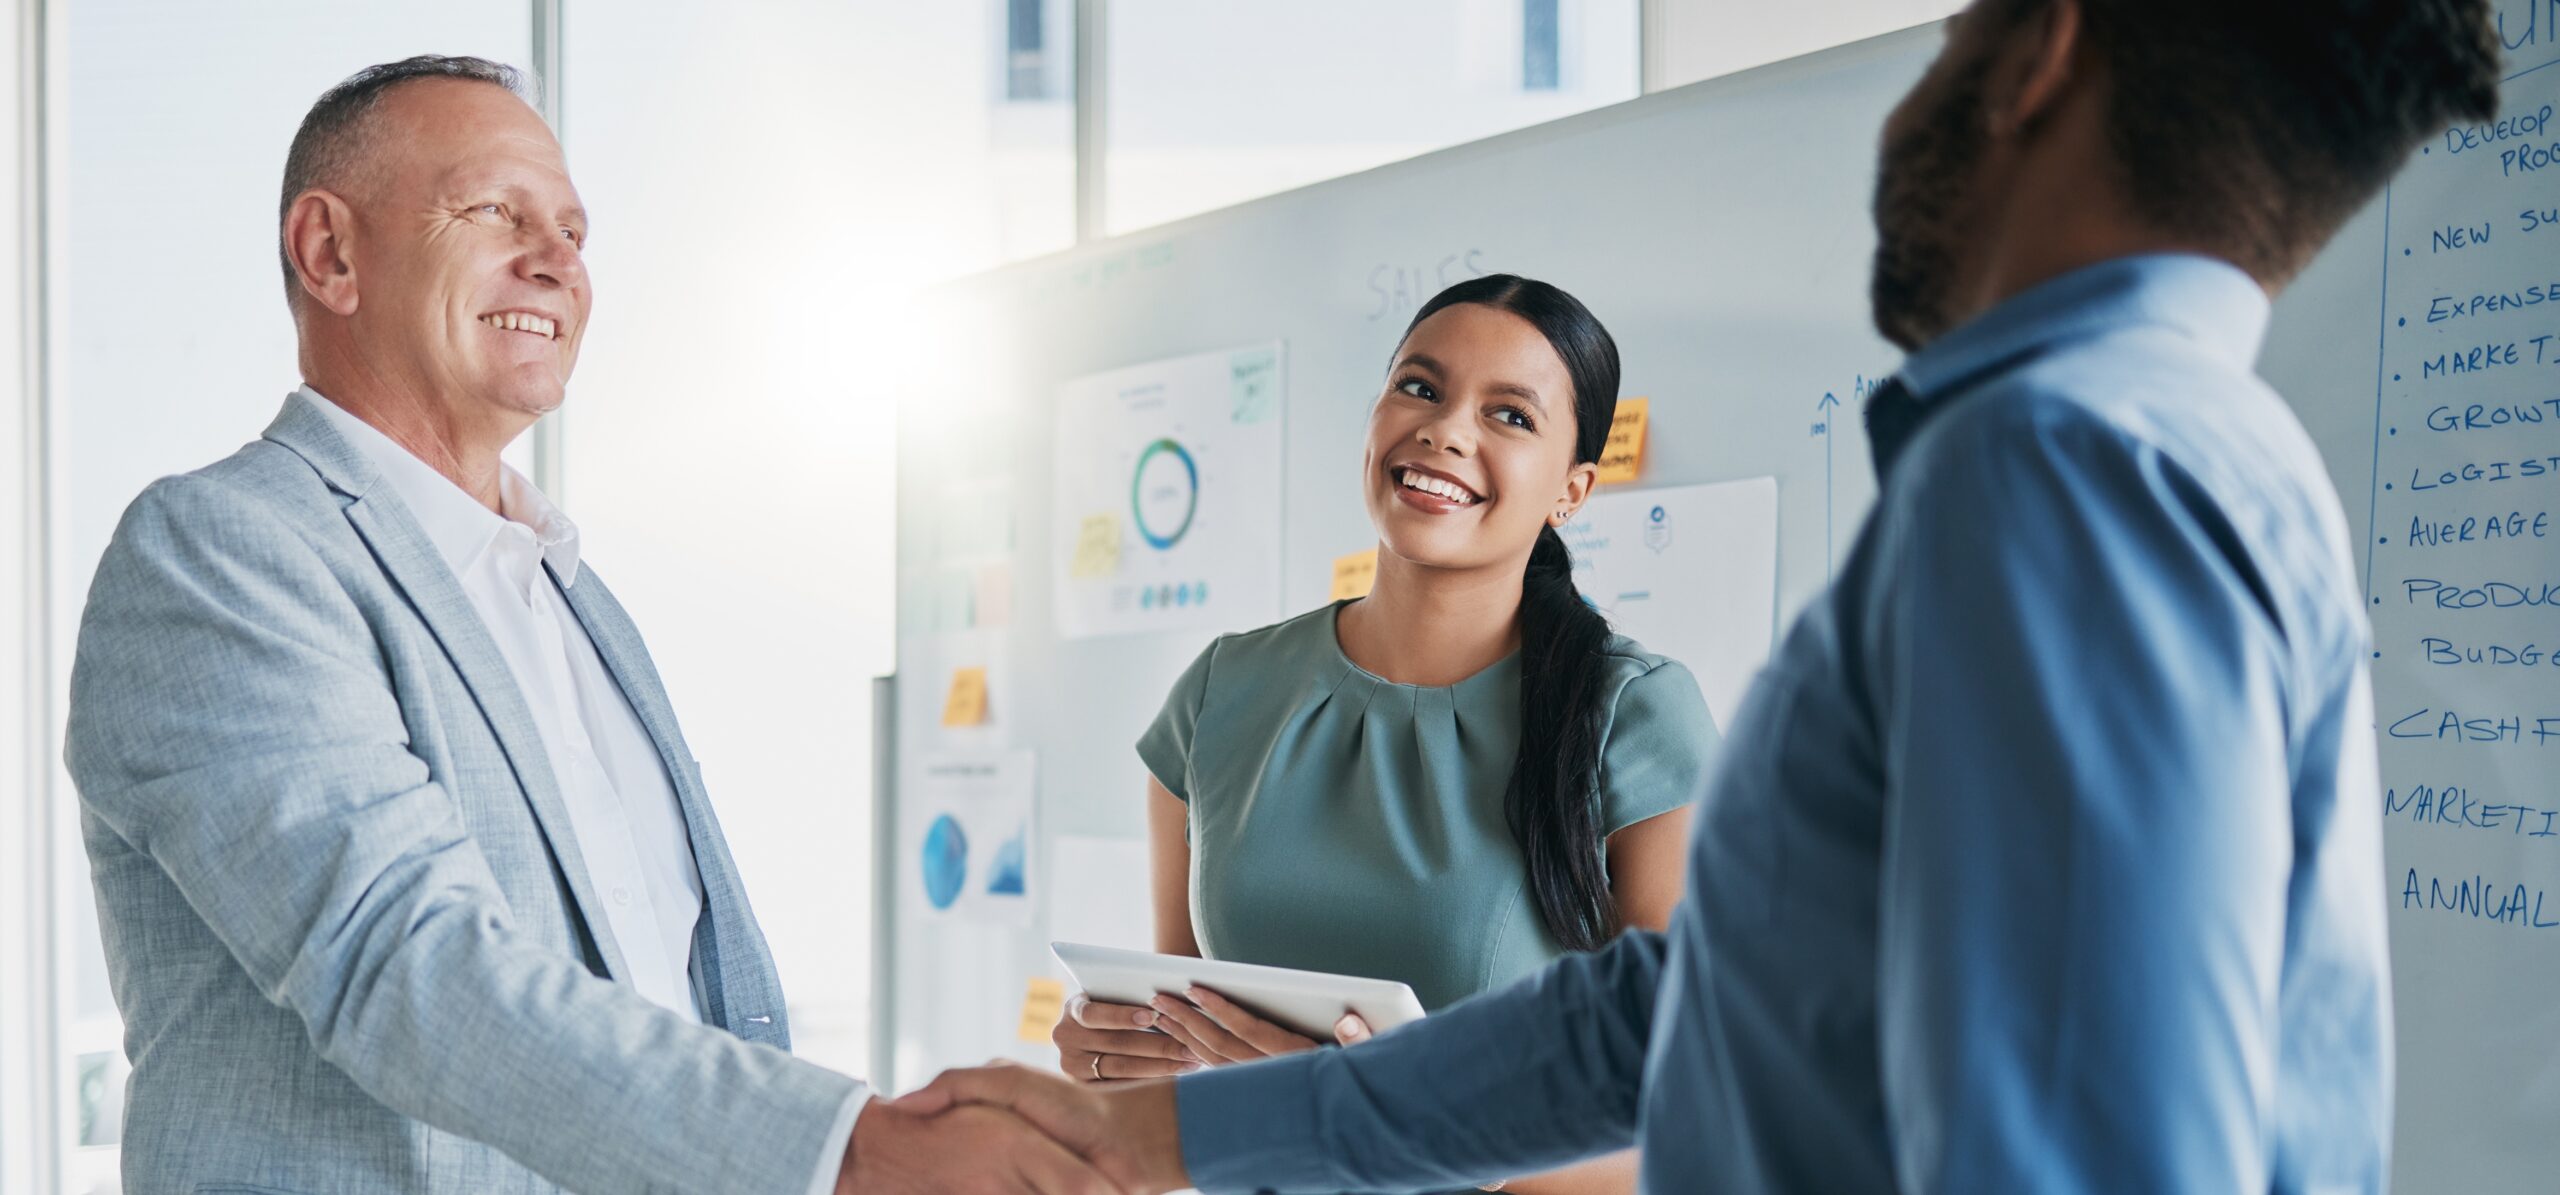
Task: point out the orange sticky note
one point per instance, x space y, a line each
1040 1008
1623 458
967 704
1354 574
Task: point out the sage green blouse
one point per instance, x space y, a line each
1342 822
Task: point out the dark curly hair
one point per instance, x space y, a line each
2258 127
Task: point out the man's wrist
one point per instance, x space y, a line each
1146 1131
865 1123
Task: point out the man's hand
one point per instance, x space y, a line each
1130 1131
973 1150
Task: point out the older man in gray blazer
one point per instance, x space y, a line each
407 878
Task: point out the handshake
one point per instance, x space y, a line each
1009 1128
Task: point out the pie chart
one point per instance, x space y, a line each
946 861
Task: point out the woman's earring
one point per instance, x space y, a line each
1563 517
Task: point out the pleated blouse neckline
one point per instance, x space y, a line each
1500 678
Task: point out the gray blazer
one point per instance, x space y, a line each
344 916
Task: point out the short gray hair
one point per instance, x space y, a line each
332 138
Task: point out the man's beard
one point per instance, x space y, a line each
1921 181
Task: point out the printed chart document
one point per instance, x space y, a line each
1166 510
1689 572
970 837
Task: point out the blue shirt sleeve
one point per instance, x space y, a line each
2087 844
1516 1081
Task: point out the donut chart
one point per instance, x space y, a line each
1164 493
1165 507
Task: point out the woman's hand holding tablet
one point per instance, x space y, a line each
1217 1030
1143 1016
1112 1043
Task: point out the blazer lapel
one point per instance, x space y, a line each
739 991
410 559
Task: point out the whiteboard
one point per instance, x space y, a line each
1721 231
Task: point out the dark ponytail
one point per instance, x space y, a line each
1553 803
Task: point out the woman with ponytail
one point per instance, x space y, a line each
1453 780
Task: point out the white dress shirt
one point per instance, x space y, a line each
622 806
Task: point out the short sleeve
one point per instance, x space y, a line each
1662 744
1166 746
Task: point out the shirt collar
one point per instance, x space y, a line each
455 522
2208 300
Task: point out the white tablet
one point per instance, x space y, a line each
1306 1002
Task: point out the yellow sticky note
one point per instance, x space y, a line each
1040 1008
967 705
1354 574
1097 548
1624 456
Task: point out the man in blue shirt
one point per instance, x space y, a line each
2045 856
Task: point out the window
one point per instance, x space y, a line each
1689 40
1026 51
1207 105
1538 38
1027 151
